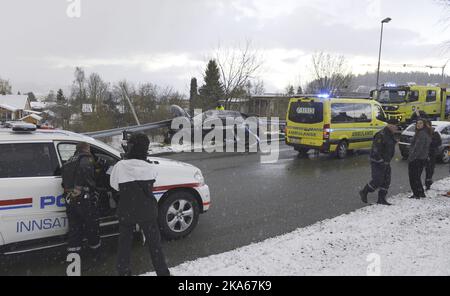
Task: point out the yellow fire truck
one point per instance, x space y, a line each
401 102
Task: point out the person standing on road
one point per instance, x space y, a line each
383 150
78 175
436 142
418 155
134 178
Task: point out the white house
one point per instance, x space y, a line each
13 107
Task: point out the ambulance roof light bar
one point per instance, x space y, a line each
326 96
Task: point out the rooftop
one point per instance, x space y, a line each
14 102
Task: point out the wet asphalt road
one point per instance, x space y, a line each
251 202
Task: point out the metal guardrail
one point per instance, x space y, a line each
134 128
143 127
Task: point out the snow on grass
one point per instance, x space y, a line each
412 238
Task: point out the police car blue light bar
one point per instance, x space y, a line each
23 127
390 84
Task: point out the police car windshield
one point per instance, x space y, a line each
392 96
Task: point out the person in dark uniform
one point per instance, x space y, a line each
436 142
134 178
418 114
418 155
383 150
79 191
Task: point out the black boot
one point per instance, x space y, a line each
428 184
363 193
382 198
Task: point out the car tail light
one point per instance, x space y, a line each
326 132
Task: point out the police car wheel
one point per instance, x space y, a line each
445 158
342 150
178 215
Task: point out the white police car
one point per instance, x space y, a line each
32 209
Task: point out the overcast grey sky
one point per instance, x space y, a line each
169 41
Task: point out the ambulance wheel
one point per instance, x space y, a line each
342 150
302 152
178 215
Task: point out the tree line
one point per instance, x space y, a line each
230 74
109 106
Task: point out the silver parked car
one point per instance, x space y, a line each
442 127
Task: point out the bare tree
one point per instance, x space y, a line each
237 67
5 87
97 90
78 91
254 88
331 73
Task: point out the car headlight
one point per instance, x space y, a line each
199 177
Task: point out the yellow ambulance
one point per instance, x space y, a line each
332 125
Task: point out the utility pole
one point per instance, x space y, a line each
443 71
124 93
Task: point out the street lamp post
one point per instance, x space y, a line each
385 21
443 71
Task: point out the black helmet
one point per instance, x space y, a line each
137 146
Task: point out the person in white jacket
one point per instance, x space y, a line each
134 178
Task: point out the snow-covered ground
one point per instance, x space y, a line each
410 238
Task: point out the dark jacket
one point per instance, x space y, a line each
79 171
134 180
383 146
137 202
420 145
436 142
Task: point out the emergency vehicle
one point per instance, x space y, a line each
332 125
401 102
32 207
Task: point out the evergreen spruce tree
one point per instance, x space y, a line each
31 97
212 91
193 96
60 98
